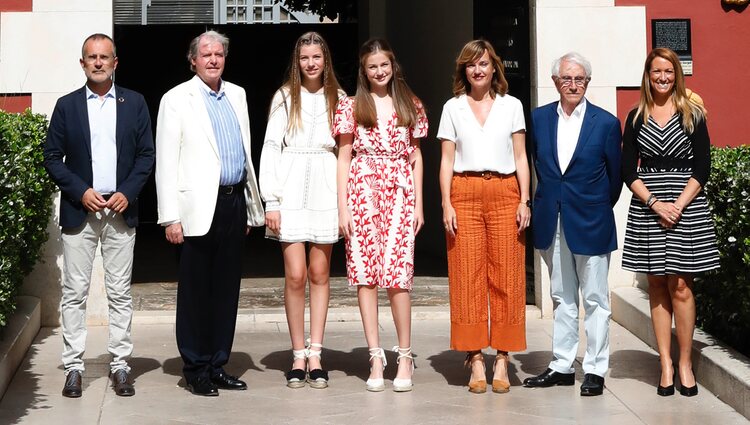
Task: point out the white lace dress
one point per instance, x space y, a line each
298 172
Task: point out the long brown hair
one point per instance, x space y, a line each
471 53
403 98
691 111
293 83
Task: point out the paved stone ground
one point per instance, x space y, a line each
261 355
269 293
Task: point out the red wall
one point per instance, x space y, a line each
15 5
15 103
721 63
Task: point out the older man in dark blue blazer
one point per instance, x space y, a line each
100 152
576 149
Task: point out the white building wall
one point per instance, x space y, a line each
39 52
613 39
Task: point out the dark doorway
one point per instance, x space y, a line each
153 59
506 24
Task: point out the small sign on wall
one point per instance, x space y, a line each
674 34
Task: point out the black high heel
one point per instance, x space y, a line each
690 391
666 391
669 389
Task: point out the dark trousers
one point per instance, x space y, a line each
208 289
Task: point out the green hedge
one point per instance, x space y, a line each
25 202
723 295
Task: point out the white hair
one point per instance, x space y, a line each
209 35
573 57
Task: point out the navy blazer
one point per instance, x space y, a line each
585 194
67 152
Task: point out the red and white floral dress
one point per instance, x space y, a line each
381 199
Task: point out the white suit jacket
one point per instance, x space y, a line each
188 163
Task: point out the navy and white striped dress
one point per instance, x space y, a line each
666 158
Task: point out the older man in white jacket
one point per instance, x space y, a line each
208 199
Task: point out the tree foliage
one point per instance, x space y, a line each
25 202
344 10
723 295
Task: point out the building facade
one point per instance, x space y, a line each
40 41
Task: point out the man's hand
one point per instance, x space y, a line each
93 200
174 233
118 203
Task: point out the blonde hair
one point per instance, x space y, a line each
471 53
691 111
293 83
403 98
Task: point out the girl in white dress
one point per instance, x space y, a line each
298 183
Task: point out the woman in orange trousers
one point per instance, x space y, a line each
484 182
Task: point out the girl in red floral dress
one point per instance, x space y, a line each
380 198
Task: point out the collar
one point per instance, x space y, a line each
578 112
91 95
208 89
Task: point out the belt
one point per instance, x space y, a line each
106 196
666 162
483 174
232 189
383 156
294 149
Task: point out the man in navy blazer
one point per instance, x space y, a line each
577 150
99 151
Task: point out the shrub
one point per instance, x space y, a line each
723 295
25 202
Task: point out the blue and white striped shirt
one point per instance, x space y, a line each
228 136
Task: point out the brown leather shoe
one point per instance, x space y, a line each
72 386
121 383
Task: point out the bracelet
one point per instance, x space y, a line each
651 200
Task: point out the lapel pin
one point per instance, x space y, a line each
121 99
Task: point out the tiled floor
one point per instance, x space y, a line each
261 355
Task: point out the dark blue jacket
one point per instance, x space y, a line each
585 194
67 153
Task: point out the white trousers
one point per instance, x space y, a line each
570 273
79 248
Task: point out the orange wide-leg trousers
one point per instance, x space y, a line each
486 265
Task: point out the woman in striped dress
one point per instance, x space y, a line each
670 234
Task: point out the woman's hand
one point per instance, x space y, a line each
346 226
273 221
669 213
418 218
523 217
449 220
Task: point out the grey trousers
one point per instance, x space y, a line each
79 248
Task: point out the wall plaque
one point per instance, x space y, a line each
674 34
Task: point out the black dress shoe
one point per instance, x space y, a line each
550 378
122 384
228 382
203 386
689 391
592 385
72 386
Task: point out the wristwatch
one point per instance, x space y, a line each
527 203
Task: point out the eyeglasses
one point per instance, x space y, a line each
579 81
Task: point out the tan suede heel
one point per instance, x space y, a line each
479 386
498 385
